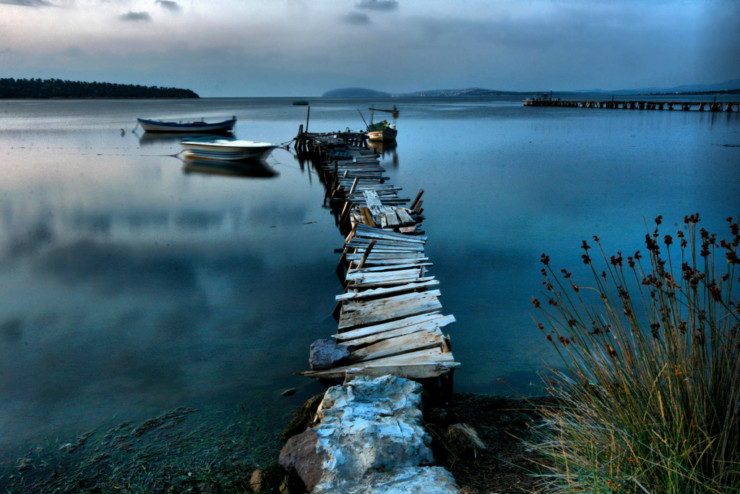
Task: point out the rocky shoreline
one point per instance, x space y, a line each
188 451
478 441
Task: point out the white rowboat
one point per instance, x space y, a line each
227 149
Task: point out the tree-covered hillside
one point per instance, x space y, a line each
57 88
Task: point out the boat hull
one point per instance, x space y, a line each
162 126
386 134
222 149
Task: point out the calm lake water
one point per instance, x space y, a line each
131 284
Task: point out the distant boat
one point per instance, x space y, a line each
382 131
300 102
227 149
196 126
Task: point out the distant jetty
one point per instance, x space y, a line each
56 88
712 106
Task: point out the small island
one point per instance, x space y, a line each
56 88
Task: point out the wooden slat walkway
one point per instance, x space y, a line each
389 316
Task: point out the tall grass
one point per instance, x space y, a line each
650 392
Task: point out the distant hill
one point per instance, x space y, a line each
727 87
359 92
731 86
56 88
459 93
354 92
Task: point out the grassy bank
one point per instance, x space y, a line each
650 397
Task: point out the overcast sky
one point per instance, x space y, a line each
307 47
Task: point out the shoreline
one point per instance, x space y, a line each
173 452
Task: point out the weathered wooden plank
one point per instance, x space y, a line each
388 250
429 356
419 340
372 199
375 292
371 334
389 268
360 313
393 256
363 275
389 217
404 217
392 262
408 371
428 325
367 218
388 326
388 283
358 241
373 232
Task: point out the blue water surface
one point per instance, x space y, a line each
133 282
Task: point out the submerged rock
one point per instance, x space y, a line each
325 353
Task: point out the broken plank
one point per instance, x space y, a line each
385 256
371 334
408 371
389 268
371 198
404 217
419 340
363 275
361 313
371 232
392 262
375 292
429 356
386 283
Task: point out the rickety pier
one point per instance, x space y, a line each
711 106
389 317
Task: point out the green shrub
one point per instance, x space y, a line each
649 398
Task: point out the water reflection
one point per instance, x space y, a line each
134 281
243 169
152 138
385 148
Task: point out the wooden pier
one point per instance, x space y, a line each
715 106
389 316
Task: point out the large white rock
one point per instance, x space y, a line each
371 439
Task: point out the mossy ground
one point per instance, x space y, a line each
503 424
180 451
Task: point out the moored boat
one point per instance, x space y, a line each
227 149
193 126
382 131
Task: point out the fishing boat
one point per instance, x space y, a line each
226 149
382 131
195 126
